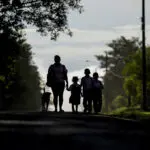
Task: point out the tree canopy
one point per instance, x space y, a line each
133 73
49 16
18 74
121 51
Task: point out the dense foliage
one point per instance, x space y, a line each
18 74
49 16
117 80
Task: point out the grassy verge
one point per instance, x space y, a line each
131 113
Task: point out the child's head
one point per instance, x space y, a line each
87 71
95 75
75 79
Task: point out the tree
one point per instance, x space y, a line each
119 102
49 16
122 48
19 77
9 54
133 73
118 56
28 81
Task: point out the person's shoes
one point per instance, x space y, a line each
85 111
77 112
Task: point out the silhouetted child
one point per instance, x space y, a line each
75 94
86 83
45 100
97 93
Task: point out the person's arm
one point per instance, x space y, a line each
81 86
67 81
66 75
102 86
69 89
49 75
81 93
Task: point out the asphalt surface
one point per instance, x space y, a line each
66 131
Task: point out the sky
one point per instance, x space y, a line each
100 23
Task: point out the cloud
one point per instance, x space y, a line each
86 38
80 73
41 67
104 14
82 46
131 27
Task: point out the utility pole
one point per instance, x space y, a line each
106 61
106 80
144 103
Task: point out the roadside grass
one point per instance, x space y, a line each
131 113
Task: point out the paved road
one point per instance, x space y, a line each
44 131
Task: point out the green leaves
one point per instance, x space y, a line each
119 102
2 78
133 71
130 85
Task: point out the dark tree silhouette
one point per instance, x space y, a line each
49 16
19 77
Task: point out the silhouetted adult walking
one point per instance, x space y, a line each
57 75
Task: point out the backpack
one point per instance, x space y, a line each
51 75
84 83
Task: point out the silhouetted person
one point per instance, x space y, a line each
75 94
86 83
57 75
97 93
45 100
